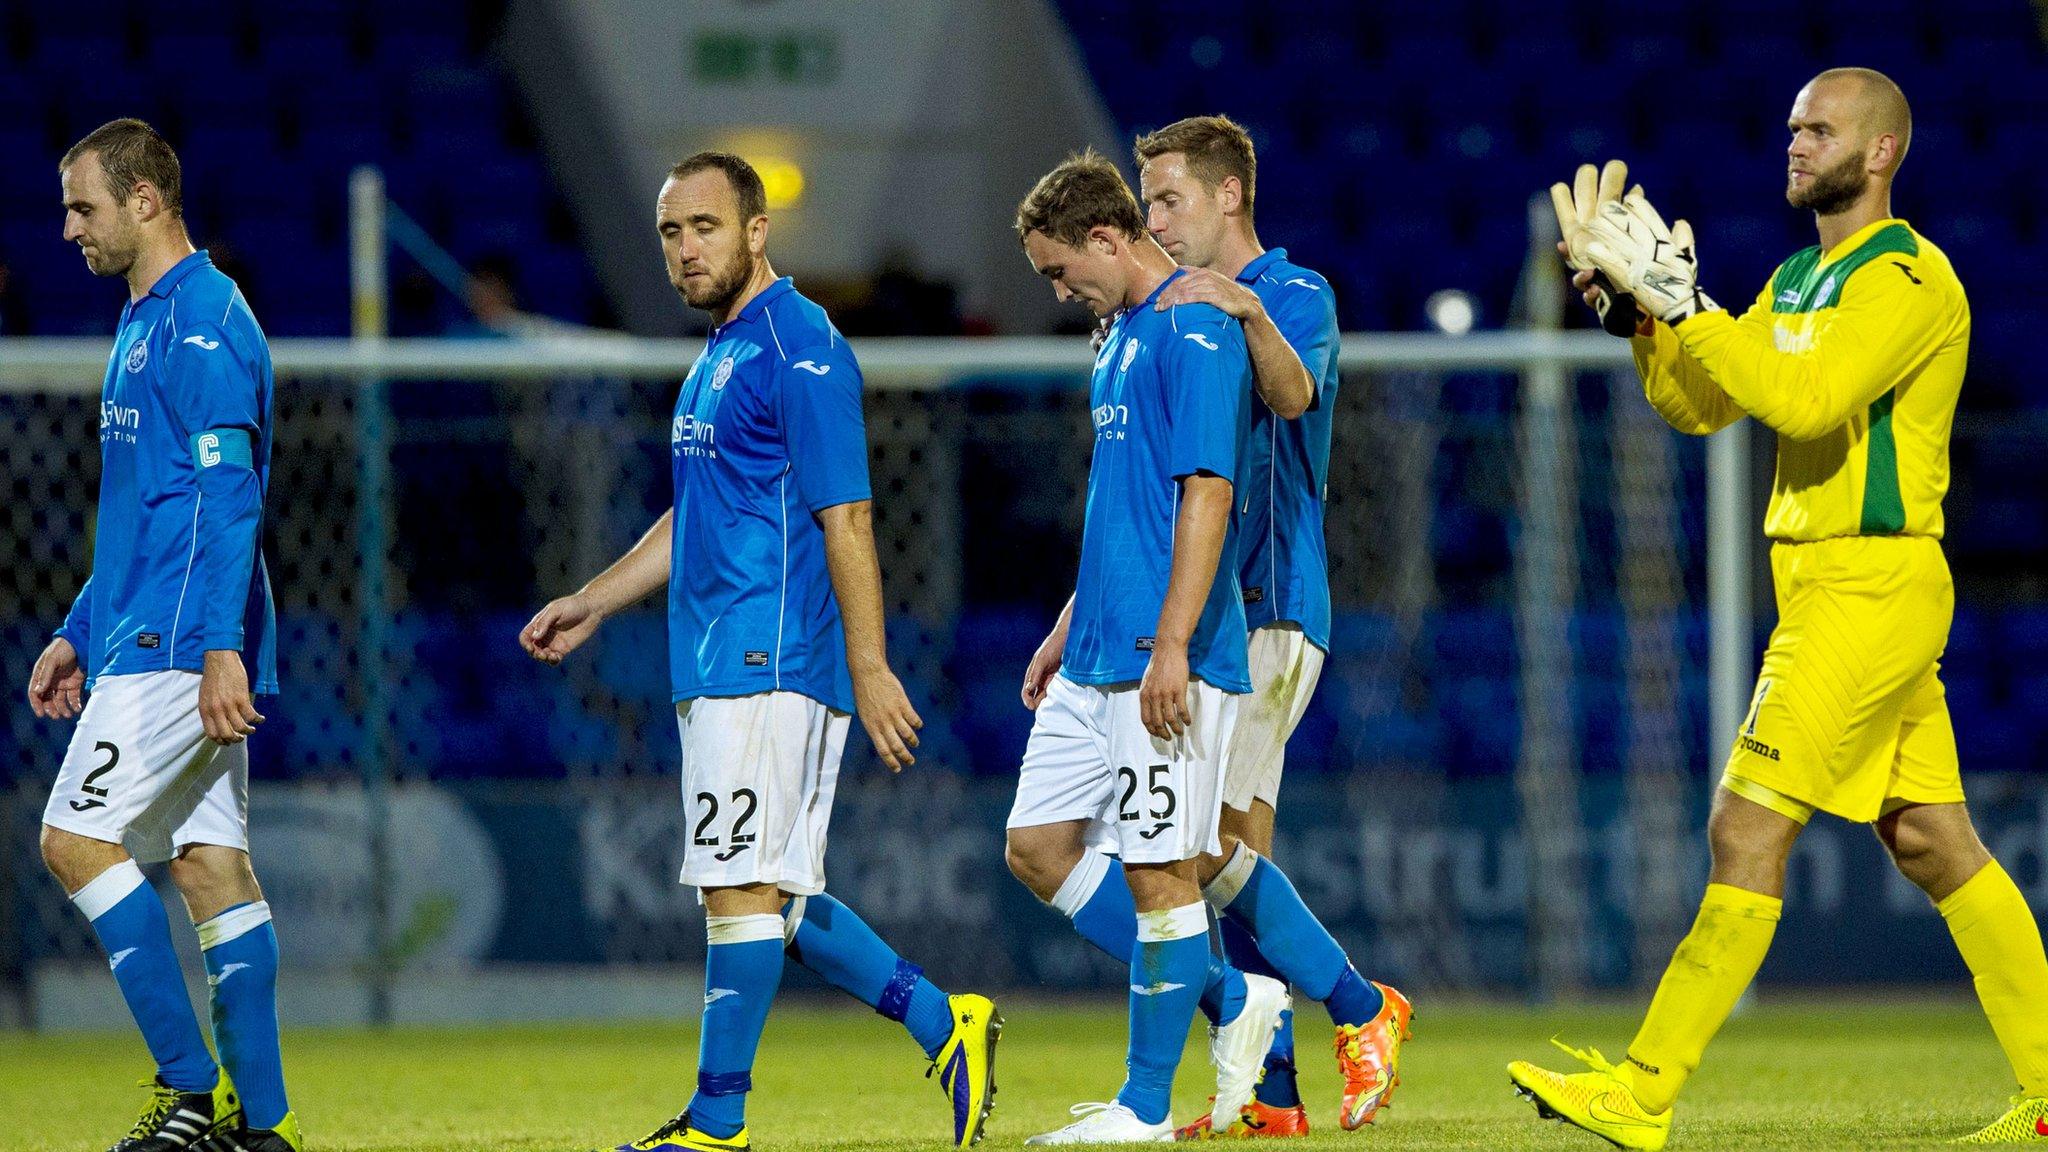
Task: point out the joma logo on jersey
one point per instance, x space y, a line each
1110 420
689 436
1752 744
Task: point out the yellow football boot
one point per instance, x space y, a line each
174 1120
678 1136
966 1066
284 1137
1598 1101
2026 1122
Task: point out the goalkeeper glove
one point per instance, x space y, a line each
1576 207
1629 242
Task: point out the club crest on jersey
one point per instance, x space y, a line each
1130 354
1827 289
721 374
138 355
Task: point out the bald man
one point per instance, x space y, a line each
1853 353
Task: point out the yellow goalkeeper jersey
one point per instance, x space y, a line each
1854 357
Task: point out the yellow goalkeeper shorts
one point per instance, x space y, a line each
1849 714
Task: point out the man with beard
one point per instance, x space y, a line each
775 636
1854 354
175 637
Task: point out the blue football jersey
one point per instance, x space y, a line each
1282 562
1169 394
185 439
768 431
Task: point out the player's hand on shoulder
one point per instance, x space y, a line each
226 706
1163 693
56 686
1204 286
560 628
886 713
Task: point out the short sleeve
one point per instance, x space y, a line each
212 384
1208 385
1305 312
823 428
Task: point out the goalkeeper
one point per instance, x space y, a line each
1854 354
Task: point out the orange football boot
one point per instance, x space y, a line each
1369 1058
1259 1120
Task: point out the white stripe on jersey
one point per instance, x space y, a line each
197 500
782 609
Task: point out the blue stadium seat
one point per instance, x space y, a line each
63 56
1452 18
403 53
555 280
197 50
293 55
342 101
233 95
1996 740
227 149
337 17
1473 639
29 183
449 21
2024 630
1363 633
120 91
1643 50
1601 716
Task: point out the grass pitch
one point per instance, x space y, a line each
1806 1076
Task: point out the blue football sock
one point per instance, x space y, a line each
742 970
1355 1000
839 946
129 919
240 947
1253 892
1166 981
1097 898
1277 1088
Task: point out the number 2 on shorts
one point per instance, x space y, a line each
99 794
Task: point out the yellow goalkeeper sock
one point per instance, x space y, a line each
1708 973
1999 940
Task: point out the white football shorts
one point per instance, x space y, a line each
1149 801
1285 668
142 773
759 772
